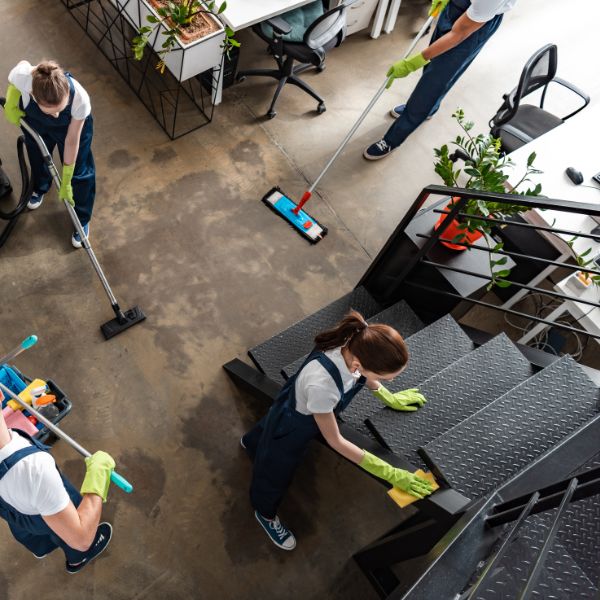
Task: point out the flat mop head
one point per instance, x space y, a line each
302 222
127 319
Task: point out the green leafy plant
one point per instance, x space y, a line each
485 170
583 261
178 16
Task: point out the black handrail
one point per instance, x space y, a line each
539 563
495 559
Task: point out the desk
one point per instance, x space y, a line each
240 14
573 144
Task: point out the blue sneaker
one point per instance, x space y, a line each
398 110
378 150
76 240
283 538
35 201
101 541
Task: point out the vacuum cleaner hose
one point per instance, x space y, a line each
26 182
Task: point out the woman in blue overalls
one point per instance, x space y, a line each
43 509
462 30
59 109
346 358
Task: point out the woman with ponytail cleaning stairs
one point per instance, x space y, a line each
346 358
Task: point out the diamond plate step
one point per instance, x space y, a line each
453 394
400 316
297 340
431 350
561 577
495 443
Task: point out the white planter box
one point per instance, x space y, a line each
185 60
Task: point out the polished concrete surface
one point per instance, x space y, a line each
180 231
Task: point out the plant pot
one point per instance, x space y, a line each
186 59
453 230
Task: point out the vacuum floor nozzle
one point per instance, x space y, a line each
133 316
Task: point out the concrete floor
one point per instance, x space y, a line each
179 230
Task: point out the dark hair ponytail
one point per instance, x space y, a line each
379 348
49 84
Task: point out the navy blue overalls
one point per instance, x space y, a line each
31 530
278 442
53 130
441 73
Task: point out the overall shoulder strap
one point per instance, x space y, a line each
333 371
7 464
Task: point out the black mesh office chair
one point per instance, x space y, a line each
325 33
516 123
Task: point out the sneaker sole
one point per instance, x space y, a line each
369 157
77 244
268 535
34 206
97 555
242 443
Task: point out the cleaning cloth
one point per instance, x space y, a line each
403 499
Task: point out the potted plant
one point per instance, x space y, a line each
187 35
485 170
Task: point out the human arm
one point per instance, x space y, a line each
463 27
69 158
400 478
77 526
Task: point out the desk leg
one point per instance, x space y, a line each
392 15
557 312
534 282
379 17
217 86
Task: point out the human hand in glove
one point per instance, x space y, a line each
66 189
12 111
99 467
437 6
403 480
405 66
407 400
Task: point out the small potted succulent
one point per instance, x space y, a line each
187 35
485 169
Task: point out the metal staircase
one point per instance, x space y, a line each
504 425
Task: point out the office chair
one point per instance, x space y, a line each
326 32
516 123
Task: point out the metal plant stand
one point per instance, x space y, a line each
179 107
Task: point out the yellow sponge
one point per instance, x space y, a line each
403 499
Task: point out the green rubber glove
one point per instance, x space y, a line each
99 466
405 66
12 112
404 480
407 400
437 6
66 190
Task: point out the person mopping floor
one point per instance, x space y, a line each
346 358
462 30
59 109
43 509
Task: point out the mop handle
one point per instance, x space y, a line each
369 106
74 218
117 479
24 345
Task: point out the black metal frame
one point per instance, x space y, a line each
179 107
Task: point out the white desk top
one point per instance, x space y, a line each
588 316
244 13
573 144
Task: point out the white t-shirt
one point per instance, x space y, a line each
33 486
483 11
316 392
21 78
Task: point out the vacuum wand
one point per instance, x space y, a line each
306 196
24 345
117 479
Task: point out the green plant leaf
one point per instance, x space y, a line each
503 284
531 159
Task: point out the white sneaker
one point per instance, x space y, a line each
35 201
76 240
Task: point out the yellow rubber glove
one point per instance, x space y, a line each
403 480
437 6
66 190
99 466
12 111
407 400
405 66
